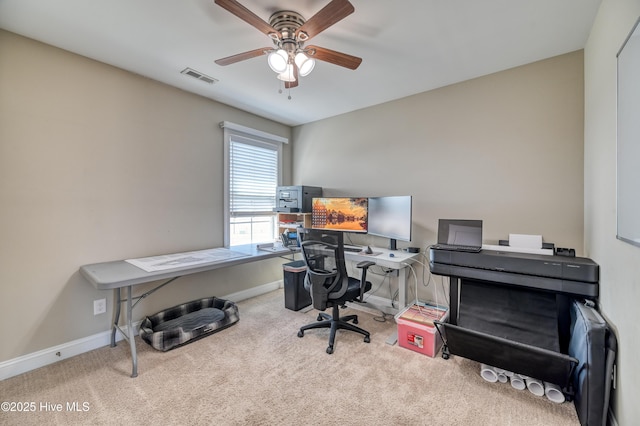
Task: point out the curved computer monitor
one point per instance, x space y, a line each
390 217
347 214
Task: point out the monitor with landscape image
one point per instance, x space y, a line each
347 214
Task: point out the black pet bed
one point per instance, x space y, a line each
187 322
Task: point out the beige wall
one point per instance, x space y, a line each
619 261
99 164
506 148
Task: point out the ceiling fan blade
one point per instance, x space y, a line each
335 11
246 15
337 58
294 83
243 56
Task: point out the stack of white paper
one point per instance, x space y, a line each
522 243
525 241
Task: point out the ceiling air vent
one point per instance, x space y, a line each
198 75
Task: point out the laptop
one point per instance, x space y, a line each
459 235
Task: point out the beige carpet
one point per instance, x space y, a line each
258 372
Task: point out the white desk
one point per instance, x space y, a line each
119 274
399 261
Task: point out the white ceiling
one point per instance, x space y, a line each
407 46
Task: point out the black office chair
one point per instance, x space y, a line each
329 284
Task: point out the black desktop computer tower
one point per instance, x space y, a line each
296 199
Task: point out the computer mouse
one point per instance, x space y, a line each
368 250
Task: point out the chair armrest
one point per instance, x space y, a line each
364 265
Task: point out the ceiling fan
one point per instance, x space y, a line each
289 31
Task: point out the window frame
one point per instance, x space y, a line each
247 135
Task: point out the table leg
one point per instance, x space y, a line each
402 288
132 340
402 301
117 301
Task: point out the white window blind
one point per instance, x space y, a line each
252 173
253 178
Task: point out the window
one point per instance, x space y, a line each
252 173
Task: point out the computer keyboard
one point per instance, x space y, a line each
354 249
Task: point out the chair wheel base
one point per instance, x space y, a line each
335 322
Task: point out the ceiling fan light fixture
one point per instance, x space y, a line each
278 60
287 74
305 64
289 31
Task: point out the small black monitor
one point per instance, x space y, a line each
390 217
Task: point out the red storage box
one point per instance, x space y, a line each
416 330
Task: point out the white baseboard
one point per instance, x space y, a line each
16 366
254 291
25 363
